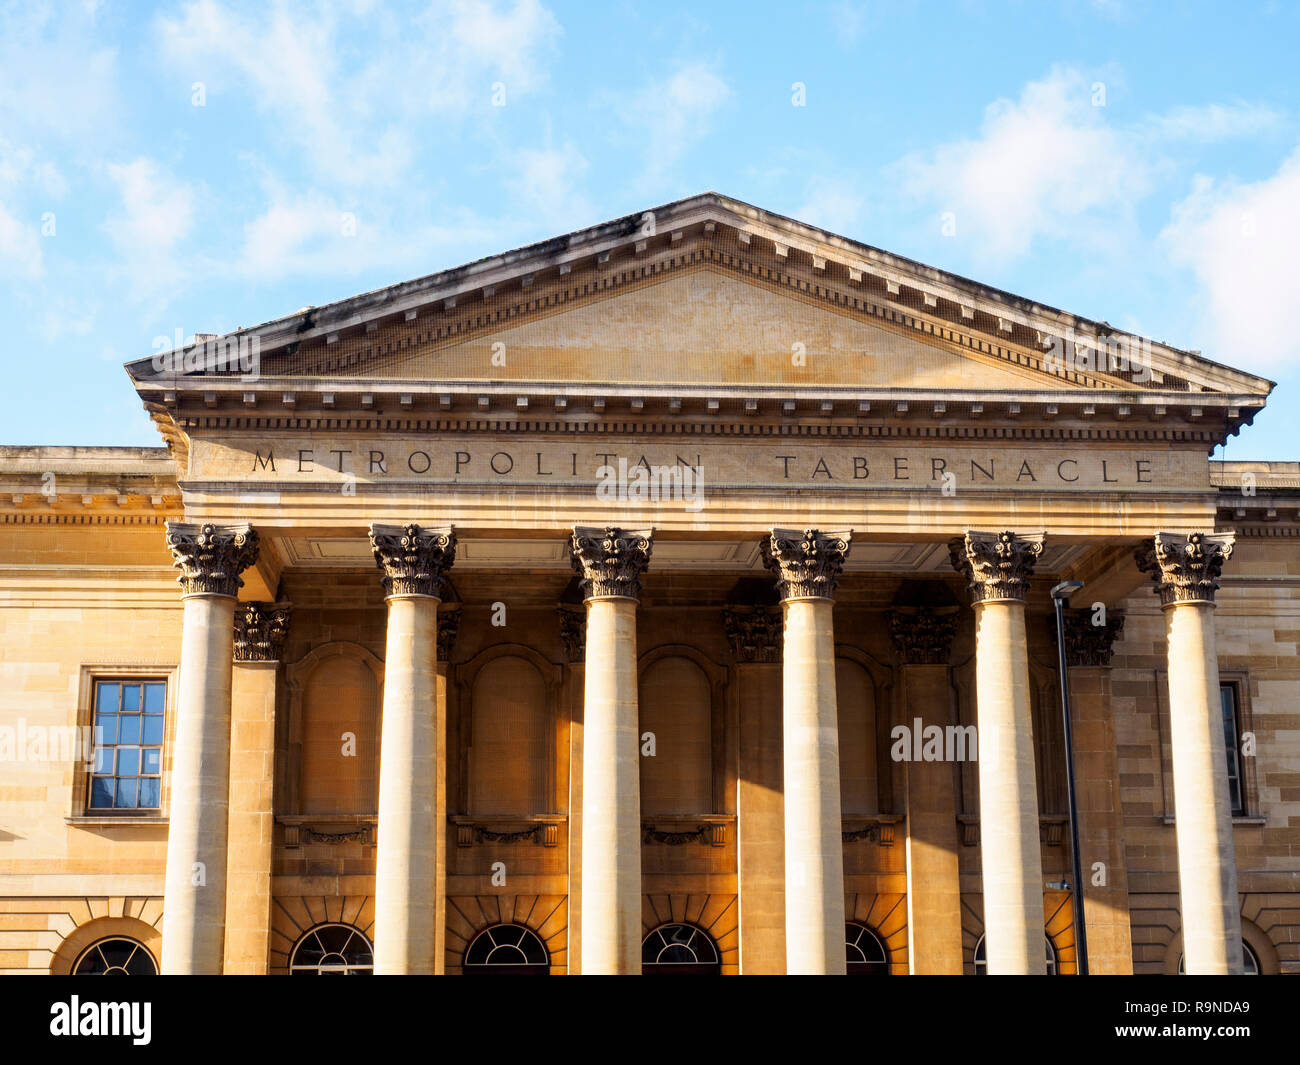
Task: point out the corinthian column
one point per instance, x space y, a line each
997 568
808 565
210 558
611 562
413 561
1186 570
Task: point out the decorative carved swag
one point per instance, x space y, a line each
610 561
1087 644
712 835
922 635
1185 568
542 833
300 830
996 566
414 560
1051 829
211 557
261 630
448 629
807 564
754 632
880 830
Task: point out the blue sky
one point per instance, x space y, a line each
199 166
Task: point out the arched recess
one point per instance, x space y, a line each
681 700
507 721
1252 936
864 689
334 689
81 937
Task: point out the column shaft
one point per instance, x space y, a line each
405 855
1207 870
611 793
1010 852
814 848
194 900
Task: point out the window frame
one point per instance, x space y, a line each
96 944
491 968
981 965
91 676
296 969
1237 682
712 967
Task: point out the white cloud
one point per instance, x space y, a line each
668 115
1242 241
156 214
357 117
546 183
1213 122
20 249
833 204
1046 165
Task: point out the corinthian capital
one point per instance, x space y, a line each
611 561
1185 568
997 566
754 632
922 635
807 564
211 557
1088 643
260 631
414 560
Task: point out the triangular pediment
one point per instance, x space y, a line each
695 327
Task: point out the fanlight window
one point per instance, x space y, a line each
332 950
507 950
115 957
679 950
865 954
1248 956
982 965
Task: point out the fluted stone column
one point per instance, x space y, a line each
260 633
611 562
808 565
755 633
210 558
414 561
997 567
1089 644
1186 570
922 638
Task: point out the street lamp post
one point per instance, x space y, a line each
1060 600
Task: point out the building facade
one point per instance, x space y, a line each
668 597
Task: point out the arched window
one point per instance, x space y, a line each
679 950
332 950
865 953
507 950
675 705
117 956
1248 957
982 965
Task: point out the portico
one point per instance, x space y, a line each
592 704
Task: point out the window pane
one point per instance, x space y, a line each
104 760
152 761
153 698
107 726
106 697
126 794
153 728
128 761
149 791
129 729
101 793
130 698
